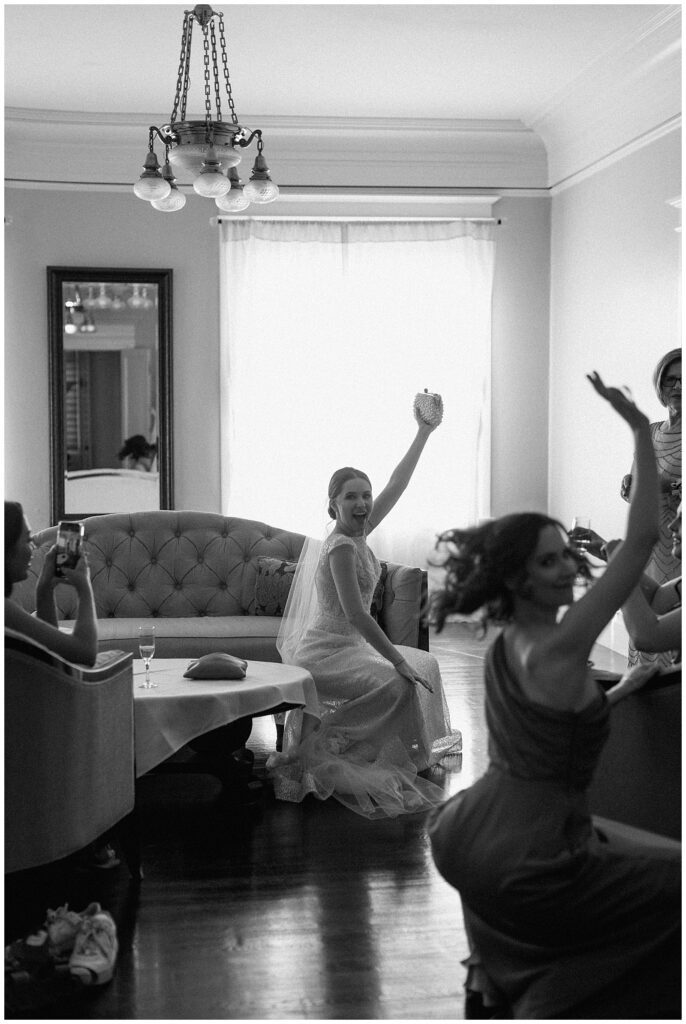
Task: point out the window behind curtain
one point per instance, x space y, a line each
328 329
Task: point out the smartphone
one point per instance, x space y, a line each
69 542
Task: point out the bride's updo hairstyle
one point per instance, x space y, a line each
338 482
485 564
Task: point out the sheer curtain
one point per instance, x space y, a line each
328 329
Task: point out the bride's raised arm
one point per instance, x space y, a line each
402 474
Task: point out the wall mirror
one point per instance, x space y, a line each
110 338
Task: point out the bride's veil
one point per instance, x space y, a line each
302 602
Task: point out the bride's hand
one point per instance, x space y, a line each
619 400
406 670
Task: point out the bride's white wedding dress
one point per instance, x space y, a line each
378 729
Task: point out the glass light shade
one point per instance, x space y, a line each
176 200
136 301
211 183
117 302
102 301
261 191
233 201
151 186
187 160
70 327
89 301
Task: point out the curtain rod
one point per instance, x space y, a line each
214 221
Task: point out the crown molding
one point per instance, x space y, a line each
617 103
372 152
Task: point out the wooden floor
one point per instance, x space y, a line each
290 912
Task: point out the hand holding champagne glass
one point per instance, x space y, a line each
580 532
146 647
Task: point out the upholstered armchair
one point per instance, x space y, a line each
69 754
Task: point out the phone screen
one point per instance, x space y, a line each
69 538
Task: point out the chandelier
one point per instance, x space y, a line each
209 150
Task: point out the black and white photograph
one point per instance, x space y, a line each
342 451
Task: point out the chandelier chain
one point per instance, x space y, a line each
215 73
225 64
206 62
182 79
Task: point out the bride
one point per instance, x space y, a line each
384 717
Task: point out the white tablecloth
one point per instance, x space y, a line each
177 710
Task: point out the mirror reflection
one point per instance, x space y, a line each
110 355
110 389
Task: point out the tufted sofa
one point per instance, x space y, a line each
195 574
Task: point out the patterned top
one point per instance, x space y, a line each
663 565
368 570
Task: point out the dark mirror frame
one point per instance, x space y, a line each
57 276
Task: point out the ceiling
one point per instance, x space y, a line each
323 60
336 68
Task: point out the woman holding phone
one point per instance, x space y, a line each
81 645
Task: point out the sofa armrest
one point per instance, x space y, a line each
404 597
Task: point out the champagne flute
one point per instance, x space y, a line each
146 647
582 538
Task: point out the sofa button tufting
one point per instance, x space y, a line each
177 586
108 561
155 614
153 561
131 586
132 533
223 586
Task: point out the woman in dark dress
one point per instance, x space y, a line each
566 918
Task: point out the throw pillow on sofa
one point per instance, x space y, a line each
273 584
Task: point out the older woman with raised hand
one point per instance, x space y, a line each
81 645
568 916
666 438
652 612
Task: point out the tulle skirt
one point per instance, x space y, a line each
377 731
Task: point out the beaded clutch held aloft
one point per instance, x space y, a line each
429 407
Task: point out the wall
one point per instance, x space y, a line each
113 229
615 307
101 229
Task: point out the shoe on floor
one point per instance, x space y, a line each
63 926
52 945
98 857
95 951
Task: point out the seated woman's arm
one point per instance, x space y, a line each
342 562
649 631
81 645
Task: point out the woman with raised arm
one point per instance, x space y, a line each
81 645
652 611
666 438
384 717
567 917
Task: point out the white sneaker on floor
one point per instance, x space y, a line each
95 950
